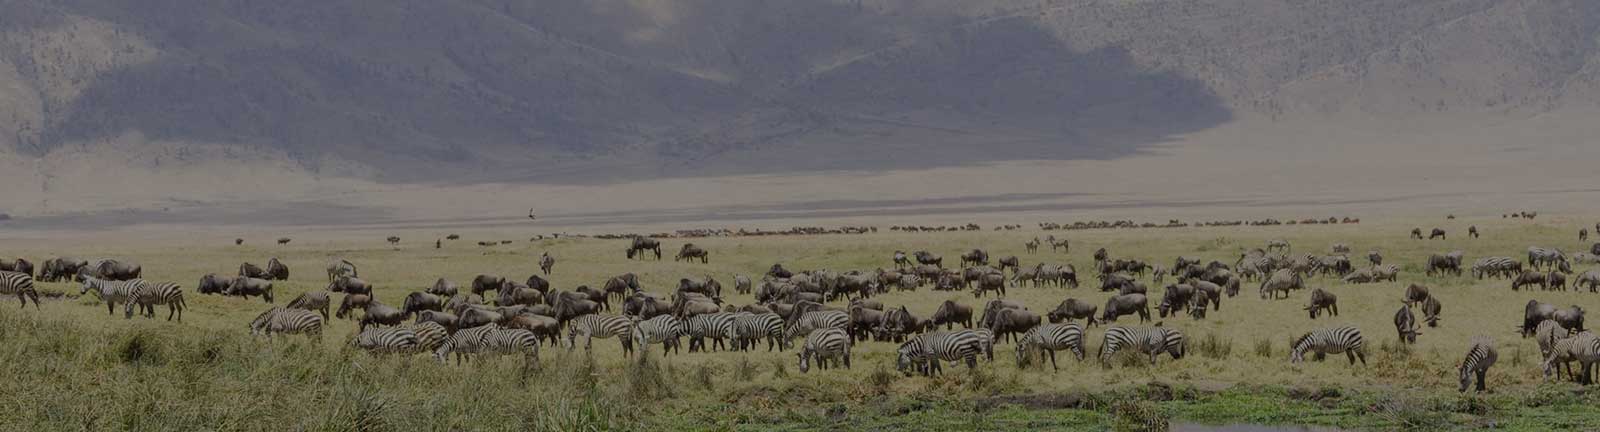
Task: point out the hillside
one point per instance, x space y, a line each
303 94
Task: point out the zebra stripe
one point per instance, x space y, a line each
1547 333
600 326
749 329
395 340
430 335
927 351
1146 340
985 341
1480 357
20 284
1330 341
110 292
504 341
817 320
316 301
827 345
717 327
662 329
287 321
1048 339
464 343
147 296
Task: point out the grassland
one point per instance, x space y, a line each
73 367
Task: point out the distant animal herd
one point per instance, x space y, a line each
830 312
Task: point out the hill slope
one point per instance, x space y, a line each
618 90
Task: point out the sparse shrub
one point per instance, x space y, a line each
1130 358
978 379
1263 348
1214 347
1134 415
744 370
780 369
1406 413
645 379
880 379
702 376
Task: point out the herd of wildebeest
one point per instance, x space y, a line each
832 311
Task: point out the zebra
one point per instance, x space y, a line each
985 341
1539 257
394 340
464 343
1480 357
316 301
148 295
749 329
717 326
1336 340
1048 339
430 335
503 341
1583 348
111 292
1547 333
20 284
287 321
340 267
827 345
926 351
817 320
662 329
1147 340
600 326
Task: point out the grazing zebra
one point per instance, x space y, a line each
1048 339
316 301
927 351
662 329
1480 357
1147 340
1336 340
1585 349
111 292
600 326
464 343
1540 257
287 321
985 341
148 295
749 329
430 335
717 327
504 341
20 284
395 340
1547 333
817 320
827 345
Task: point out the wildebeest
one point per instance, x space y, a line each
60 268
116 270
341 267
1540 258
238 241
1322 300
1438 233
443 288
276 270
417 302
1008 324
251 270
1570 318
990 282
248 287
487 282
393 240
1444 264
1126 304
975 257
213 284
642 244
951 313
622 285
18 265
691 252
283 240
1405 324
1416 233
1472 231
350 285
1071 309
1009 262
1175 298
1530 277
547 263
928 258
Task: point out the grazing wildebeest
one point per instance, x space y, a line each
1416 233
213 284
1472 231
1126 304
248 287
18 265
1530 277
690 252
1322 300
975 257
951 313
487 282
350 285
900 260
1010 262
928 258
1406 325
1071 309
283 240
393 240
1438 233
641 245
443 288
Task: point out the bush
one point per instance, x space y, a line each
1263 348
1214 347
1133 415
645 379
744 370
780 369
880 379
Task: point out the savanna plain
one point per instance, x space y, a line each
70 366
